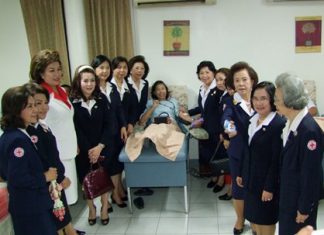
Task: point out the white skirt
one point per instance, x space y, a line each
70 172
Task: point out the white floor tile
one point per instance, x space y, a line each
164 214
172 226
203 210
149 210
143 225
82 224
203 197
203 225
225 208
174 210
116 225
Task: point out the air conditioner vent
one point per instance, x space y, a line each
143 3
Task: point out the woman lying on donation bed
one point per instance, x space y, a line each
161 105
160 116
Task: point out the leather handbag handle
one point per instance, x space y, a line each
99 163
167 114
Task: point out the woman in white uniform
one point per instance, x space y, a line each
46 70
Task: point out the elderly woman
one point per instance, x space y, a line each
301 171
138 71
237 112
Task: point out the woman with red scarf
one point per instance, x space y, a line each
46 70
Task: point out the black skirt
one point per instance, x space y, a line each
259 212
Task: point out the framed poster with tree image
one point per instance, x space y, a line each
176 37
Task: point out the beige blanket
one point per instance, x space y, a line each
167 138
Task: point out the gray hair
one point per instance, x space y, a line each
294 93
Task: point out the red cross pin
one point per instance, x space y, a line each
34 139
311 145
19 152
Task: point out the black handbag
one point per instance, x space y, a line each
219 166
96 182
162 118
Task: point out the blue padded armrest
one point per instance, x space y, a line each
149 154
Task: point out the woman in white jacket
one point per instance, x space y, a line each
46 70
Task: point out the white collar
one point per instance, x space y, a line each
254 127
294 125
43 124
131 81
24 131
107 90
225 92
211 86
123 87
85 105
266 121
238 99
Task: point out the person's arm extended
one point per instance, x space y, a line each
148 113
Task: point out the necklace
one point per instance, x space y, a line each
103 85
119 84
260 120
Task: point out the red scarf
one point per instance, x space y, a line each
60 94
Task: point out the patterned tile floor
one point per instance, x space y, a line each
164 214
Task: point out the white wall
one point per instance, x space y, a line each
256 31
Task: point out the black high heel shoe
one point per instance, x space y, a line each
93 221
104 221
212 183
110 209
122 205
225 197
237 231
218 188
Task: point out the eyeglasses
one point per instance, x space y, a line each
261 99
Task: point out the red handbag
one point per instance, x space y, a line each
96 182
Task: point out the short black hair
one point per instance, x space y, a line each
269 88
116 61
35 88
98 60
13 101
210 65
155 84
238 67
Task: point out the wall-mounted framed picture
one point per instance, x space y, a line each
176 37
308 34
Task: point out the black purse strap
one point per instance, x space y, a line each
216 150
165 114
